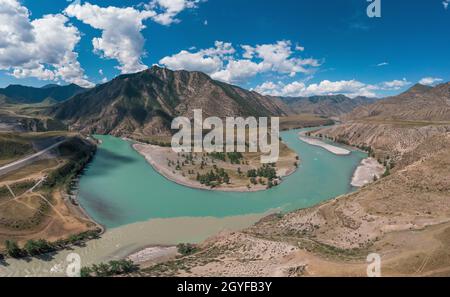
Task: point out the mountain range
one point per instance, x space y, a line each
328 105
146 102
419 103
30 95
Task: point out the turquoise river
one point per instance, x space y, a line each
140 208
120 187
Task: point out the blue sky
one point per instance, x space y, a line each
292 47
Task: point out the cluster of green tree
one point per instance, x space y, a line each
178 165
320 135
79 238
267 170
38 247
342 140
63 175
253 180
13 250
235 157
214 178
111 268
367 148
270 183
388 163
387 172
218 156
188 157
187 249
31 248
157 143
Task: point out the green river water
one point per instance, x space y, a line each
139 207
120 187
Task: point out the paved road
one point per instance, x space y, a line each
22 162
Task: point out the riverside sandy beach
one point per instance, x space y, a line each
366 171
331 148
153 255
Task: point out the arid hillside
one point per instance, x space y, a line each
145 103
35 200
387 138
420 103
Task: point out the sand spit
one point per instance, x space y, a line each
331 148
157 157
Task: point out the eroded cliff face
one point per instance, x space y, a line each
385 138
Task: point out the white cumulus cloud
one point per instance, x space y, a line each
167 10
237 71
278 57
394 85
121 32
121 28
209 60
41 48
351 88
224 63
430 81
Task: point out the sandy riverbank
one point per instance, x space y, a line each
331 148
366 171
153 255
120 243
157 157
